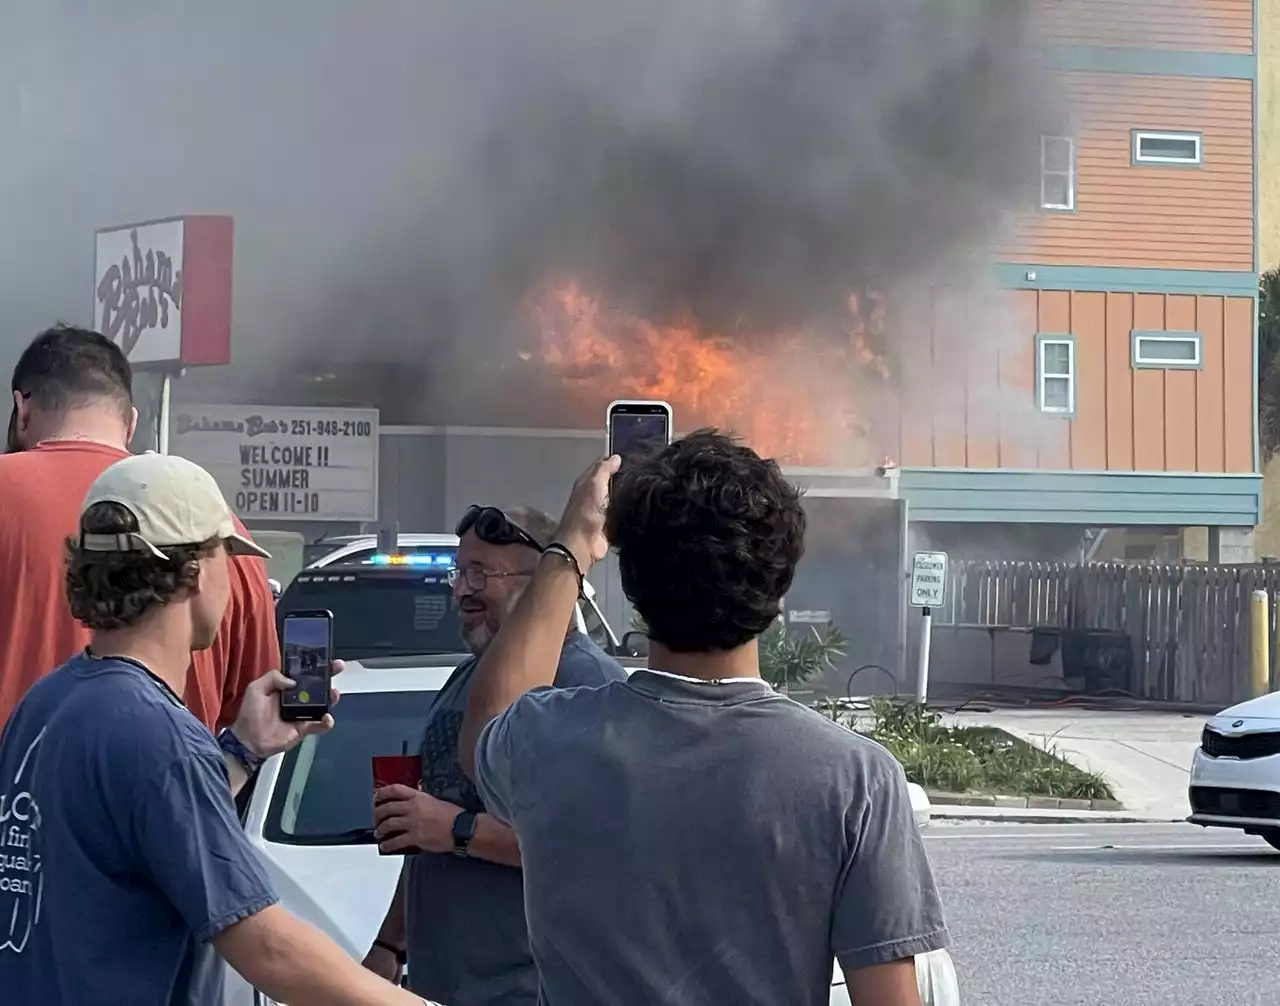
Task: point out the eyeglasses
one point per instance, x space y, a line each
476 578
493 527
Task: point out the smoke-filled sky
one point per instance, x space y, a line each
402 172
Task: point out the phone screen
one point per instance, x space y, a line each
307 642
638 427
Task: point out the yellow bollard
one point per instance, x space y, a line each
1261 659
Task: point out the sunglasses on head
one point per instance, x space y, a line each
493 527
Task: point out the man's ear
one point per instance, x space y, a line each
22 413
132 428
194 570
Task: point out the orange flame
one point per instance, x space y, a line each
789 395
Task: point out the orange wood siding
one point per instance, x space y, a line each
1203 25
1146 216
970 392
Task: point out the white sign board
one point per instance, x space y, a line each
137 290
284 463
806 616
928 579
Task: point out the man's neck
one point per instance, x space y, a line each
162 649
743 662
85 425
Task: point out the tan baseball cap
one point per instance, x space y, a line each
175 501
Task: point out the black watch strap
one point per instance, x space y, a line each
464 830
394 951
237 749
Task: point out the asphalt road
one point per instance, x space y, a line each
1110 915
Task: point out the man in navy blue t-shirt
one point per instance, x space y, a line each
122 862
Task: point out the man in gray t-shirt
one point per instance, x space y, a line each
689 836
458 916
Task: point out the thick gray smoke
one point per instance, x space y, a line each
403 173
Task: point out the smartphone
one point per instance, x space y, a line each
637 427
306 639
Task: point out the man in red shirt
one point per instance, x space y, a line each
73 417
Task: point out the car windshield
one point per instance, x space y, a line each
380 614
324 794
318 550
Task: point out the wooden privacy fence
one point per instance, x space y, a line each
1188 624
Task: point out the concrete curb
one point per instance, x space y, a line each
1022 802
1014 815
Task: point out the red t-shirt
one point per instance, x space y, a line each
42 492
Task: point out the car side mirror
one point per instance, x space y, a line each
635 644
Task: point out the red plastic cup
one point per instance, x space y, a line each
393 770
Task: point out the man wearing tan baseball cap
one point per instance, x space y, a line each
125 867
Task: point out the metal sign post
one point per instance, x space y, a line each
928 590
162 420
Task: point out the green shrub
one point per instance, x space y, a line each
968 759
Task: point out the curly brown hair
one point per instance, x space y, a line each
708 535
112 590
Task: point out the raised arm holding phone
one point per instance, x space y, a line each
750 839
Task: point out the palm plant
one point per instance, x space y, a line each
788 659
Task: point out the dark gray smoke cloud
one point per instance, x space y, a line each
402 173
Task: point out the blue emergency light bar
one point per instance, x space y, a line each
414 559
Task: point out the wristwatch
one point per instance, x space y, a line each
464 830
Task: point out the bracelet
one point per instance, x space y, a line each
234 746
395 952
556 548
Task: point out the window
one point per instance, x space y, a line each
1166 148
1056 373
1057 173
380 613
323 794
1167 350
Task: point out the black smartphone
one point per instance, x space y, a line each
306 639
636 427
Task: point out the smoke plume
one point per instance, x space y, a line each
404 173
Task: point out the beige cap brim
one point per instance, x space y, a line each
240 545
237 544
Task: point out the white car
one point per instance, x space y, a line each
437 552
1235 773
308 815
357 549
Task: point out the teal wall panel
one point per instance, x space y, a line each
1095 499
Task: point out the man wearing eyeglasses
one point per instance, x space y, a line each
458 914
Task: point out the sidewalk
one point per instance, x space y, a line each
1145 756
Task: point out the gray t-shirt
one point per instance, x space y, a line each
694 843
466 937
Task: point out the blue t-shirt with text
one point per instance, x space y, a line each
121 855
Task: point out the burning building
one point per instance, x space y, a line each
1001 249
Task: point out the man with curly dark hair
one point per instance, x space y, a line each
123 864
690 836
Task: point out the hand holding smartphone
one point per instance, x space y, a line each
306 639
637 427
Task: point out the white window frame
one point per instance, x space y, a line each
1070 174
1043 340
1141 362
1153 134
